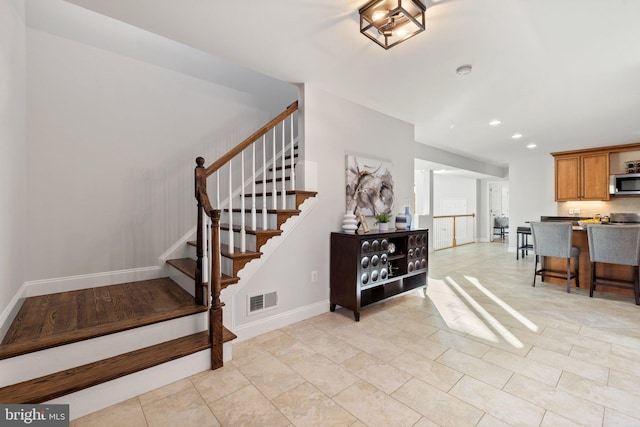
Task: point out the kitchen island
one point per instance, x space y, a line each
580 241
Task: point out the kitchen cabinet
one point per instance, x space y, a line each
369 268
582 176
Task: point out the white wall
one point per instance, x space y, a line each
453 188
334 127
13 166
531 193
112 142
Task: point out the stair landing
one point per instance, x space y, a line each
51 320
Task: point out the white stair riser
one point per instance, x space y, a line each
248 203
272 220
33 365
104 395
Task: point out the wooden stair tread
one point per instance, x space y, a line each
288 193
248 230
269 211
61 383
18 341
188 267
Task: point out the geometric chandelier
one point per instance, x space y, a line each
390 22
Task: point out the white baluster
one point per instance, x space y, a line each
292 172
282 165
243 232
210 249
205 247
264 182
231 243
274 158
253 188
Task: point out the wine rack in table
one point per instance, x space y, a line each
369 268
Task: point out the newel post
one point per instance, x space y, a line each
200 188
215 312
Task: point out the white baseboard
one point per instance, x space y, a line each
262 326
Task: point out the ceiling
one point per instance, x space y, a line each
565 74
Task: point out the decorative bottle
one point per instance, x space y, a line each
407 214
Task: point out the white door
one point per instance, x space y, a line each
498 203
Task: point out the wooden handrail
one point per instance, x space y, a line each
247 142
454 216
204 208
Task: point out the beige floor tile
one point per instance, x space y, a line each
329 346
577 339
610 397
569 364
431 372
375 408
327 376
246 352
418 344
271 376
623 380
425 422
489 421
561 402
529 368
183 408
614 418
606 360
463 344
286 348
499 404
367 342
542 340
554 420
213 385
126 414
376 372
165 391
478 368
247 407
307 406
438 406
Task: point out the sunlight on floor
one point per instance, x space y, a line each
463 313
519 317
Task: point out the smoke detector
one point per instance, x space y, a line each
463 70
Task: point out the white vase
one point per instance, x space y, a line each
349 223
383 226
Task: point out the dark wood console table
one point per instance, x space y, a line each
369 268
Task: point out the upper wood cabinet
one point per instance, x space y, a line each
582 176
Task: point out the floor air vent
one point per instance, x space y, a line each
260 302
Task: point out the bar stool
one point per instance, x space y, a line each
522 239
553 239
614 244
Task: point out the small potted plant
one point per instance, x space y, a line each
383 221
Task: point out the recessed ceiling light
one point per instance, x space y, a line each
516 136
531 146
494 122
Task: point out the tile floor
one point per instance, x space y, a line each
483 349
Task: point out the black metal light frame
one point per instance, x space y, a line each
396 14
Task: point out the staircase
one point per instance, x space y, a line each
82 346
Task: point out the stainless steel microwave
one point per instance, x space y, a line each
625 185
